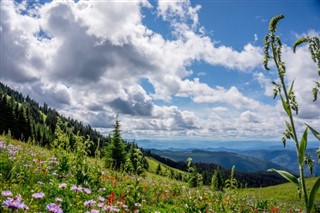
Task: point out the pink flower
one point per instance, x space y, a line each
38 195
101 199
6 193
87 191
62 185
58 199
89 203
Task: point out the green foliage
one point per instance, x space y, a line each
232 182
195 179
217 181
115 151
158 171
27 121
36 170
272 50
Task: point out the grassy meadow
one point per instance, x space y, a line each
35 179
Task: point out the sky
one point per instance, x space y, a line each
171 70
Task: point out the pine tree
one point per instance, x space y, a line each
115 151
217 181
158 171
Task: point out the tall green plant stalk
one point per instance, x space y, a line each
272 50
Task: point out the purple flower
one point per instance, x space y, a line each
38 195
101 199
54 208
2 146
87 191
111 209
6 193
62 185
76 188
94 211
58 199
89 203
14 203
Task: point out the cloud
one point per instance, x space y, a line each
137 103
264 83
90 68
303 71
179 12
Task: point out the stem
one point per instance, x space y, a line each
301 170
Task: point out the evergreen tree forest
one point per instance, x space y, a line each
25 120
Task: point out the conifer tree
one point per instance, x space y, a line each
158 171
115 151
217 181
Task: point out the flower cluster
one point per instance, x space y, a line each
14 203
54 208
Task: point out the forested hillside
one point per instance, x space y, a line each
25 119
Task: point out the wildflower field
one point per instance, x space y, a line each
34 179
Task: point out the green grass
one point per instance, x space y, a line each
153 164
286 192
29 170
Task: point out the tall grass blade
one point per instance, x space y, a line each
303 146
314 132
287 176
313 194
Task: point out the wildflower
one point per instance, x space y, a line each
14 203
38 195
137 204
76 188
53 160
54 208
62 185
2 145
100 205
87 191
101 199
6 193
12 152
58 200
102 189
111 209
89 203
94 211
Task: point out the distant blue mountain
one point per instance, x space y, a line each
177 145
243 163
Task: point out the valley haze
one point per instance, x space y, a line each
210 145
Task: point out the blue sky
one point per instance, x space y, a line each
170 69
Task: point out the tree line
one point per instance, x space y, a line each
24 119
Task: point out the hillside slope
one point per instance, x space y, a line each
225 159
42 181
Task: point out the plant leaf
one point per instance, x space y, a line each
287 176
313 194
285 106
303 146
314 132
291 88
